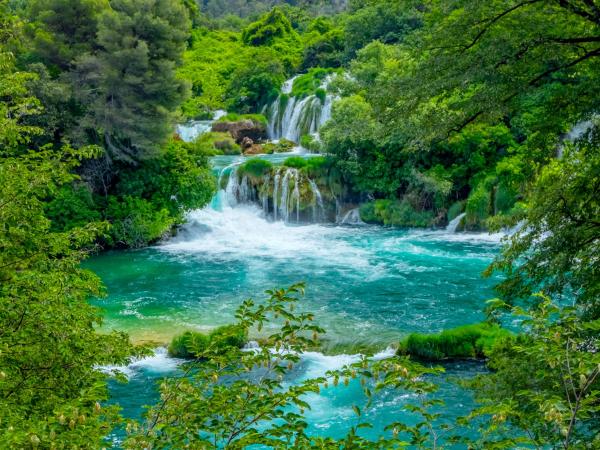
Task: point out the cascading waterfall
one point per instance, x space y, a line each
454 223
352 217
279 194
318 207
291 118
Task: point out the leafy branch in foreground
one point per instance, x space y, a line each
234 398
544 391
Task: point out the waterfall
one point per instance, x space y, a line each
352 217
284 194
454 223
318 208
291 118
190 131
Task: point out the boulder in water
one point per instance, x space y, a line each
254 149
246 128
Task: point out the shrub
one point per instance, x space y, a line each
309 142
228 336
136 222
72 206
188 345
192 344
234 117
504 199
468 341
265 31
216 143
310 83
296 162
395 213
255 167
478 207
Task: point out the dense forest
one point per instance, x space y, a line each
485 112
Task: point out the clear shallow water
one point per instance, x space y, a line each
367 285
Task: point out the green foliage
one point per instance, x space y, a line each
468 341
136 222
560 234
310 82
216 143
455 210
387 21
272 26
50 384
146 201
257 84
296 162
218 405
132 77
479 207
233 117
544 382
63 30
395 213
323 44
72 206
282 146
191 344
309 142
255 167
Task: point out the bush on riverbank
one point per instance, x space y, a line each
395 213
191 344
468 341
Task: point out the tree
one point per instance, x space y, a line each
50 384
544 388
496 60
556 248
132 79
64 29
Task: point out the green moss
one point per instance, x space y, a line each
216 143
193 344
468 341
255 167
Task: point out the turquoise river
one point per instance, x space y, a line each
367 285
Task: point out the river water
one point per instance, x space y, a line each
368 286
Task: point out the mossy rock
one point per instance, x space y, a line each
468 341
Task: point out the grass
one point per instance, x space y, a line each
468 341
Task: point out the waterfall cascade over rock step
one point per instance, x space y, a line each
291 117
285 194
